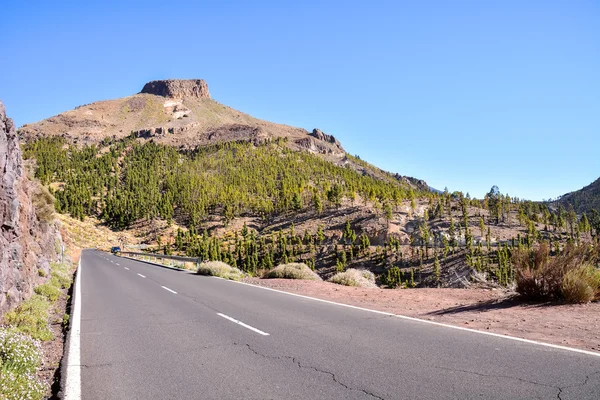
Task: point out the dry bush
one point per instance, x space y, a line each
354 277
220 269
293 271
43 202
539 276
581 285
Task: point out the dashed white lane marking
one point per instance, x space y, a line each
243 324
117 263
126 268
73 384
170 290
141 275
460 328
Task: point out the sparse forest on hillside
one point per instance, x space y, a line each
582 201
420 238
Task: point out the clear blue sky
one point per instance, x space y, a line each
463 94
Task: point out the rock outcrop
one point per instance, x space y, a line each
317 133
178 88
321 143
28 242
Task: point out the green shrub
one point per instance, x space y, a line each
15 386
354 277
293 271
220 269
49 291
18 352
581 285
392 278
62 275
20 358
65 320
42 273
31 317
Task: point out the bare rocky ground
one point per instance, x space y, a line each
491 310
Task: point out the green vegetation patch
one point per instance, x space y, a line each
61 278
48 290
62 275
354 277
31 318
18 352
20 358
133 181
293 271
14 386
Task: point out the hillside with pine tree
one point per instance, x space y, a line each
585 200
261 194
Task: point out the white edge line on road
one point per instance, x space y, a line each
243 324
126 268
142 275
170 290
73 380
518 339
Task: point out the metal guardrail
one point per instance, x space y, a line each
161 256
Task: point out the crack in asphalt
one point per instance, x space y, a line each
585 381
559 388
95 365
299 364
495 376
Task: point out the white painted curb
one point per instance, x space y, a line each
73 380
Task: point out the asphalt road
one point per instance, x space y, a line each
154 333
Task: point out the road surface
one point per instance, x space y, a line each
149 332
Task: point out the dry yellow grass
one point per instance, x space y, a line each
220 269
89 233
355 277
293 271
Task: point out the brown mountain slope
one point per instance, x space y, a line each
175 112
182 113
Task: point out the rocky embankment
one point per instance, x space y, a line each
29 239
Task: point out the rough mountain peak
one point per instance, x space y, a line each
175 112
178 88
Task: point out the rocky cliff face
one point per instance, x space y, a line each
28 241
178 88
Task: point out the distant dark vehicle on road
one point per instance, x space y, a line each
115 249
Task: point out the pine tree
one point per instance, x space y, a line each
317 202
436 269
387 211
320 235
481 226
